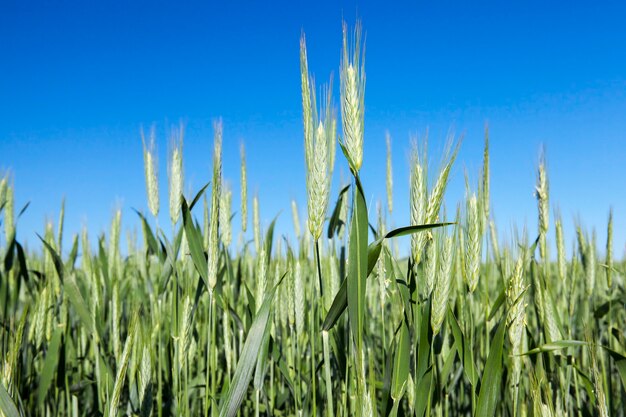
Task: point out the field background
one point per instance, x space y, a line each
206 210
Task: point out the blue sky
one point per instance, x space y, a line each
78 79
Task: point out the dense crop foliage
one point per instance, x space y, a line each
330 323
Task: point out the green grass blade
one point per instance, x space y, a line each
56 259
198 195
9 255
153 246
7 405
248 359
49 365
497 304
194 239
492 375
282 366
121 369
337 307
463 349
261 360
401 363
374 249
269 239
409 230
425 339
71 259
357 268
335 223
422 392
24 273
78 303
620 363
555 346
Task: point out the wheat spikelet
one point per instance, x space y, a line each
114 244
459 256
538 298
583 253
12 356
256 223
296 218
35 332
7 371
306 245
419 204
60 226
598 378
115 319
225 214
516 314
319 147
121 371
582 242
176 174
261 277
609 250
3 189
545 309
318 186
4 205
290 295
591 265
443 284
9 215
299 299
473 243
50 313
131 242
49 263
494 240
430 265
228 349
436 195
307 108
485 191
145 377
215 206
86 255
185 331
150 161
352 96
281 302
542 197
541 192
550 317
542 410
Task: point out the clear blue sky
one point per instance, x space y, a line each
78 79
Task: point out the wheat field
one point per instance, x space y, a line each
328 321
